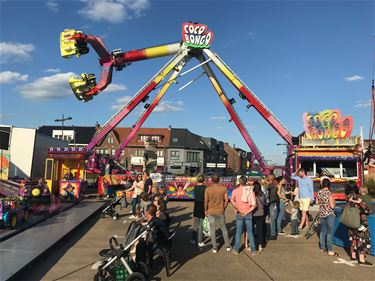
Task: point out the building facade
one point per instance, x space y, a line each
238 159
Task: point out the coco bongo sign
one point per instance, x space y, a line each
196 35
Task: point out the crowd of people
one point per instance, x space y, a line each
270 200
255 203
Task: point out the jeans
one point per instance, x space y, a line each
134 205
260 224
294 227
198 228
274 210
326 232
248 222
219 221
280 216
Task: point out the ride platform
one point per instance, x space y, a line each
20 250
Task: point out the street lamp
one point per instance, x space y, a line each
62 120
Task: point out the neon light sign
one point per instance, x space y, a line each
327 124
196 35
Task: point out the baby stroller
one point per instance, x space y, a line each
120 263
110 210
312 228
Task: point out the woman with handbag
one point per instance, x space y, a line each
358 237
326 204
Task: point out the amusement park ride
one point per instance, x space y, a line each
196 41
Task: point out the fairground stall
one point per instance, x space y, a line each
65 172
328 149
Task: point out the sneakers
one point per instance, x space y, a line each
254 253
235 252
229 248
201 244
362 228
281 232
132 217
365 263
214 251
260 248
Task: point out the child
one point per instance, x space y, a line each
145 201
294 218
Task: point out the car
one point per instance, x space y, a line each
12 211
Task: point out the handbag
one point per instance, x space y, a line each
351 217
206 227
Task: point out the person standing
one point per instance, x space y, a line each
259 215
281 193
273 205
215 202
198 214
137 189
147 182
305 193
359 238
326 204
244 202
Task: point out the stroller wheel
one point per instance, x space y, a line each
100 277
116 216
142 268
136 276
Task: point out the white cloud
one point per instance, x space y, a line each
218 118
114 11
52 70
11 51
363 103
7 77
52 6
169 106
115 88
120 102
49 87
353 78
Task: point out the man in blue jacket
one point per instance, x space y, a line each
306 194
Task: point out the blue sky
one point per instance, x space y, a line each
296 56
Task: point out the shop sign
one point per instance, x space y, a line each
196 35
328 126
350 141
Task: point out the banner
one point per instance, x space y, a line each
4 166
70 190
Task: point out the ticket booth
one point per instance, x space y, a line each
65 172
328 149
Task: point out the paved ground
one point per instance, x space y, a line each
284 259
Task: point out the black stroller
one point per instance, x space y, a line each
120 263
110 210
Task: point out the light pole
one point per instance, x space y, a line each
62 120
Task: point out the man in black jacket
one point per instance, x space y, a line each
273 204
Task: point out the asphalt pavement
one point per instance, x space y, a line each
287 258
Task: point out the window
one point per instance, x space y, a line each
113 152
110 140
192 156
328 168
155 138
349 169
308 166
106 151
139 152
174 139
175 155
144 138
160 153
